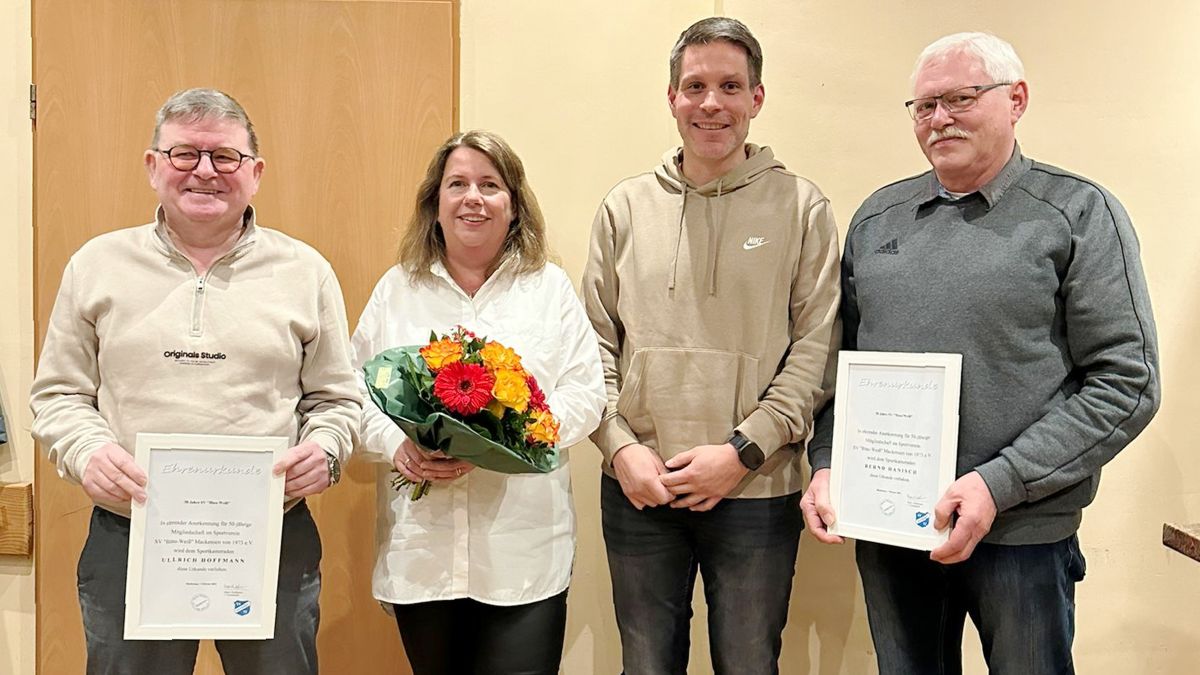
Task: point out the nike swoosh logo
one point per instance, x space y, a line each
754 242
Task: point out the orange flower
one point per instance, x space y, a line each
442 353
541 428
498 357
511 389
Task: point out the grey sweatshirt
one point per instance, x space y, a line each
1036 280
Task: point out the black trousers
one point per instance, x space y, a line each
103 566
460 637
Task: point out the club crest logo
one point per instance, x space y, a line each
241 607
922 518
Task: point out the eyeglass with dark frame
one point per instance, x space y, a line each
187 158
956 101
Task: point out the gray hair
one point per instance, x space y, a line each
193 105
723 29
998 58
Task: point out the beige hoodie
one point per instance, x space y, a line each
716 309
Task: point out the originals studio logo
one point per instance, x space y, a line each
192 358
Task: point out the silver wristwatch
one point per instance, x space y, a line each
335 469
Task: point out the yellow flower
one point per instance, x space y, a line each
542 428
511 390
442 353
498 357
496 408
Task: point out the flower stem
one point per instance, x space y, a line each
419 490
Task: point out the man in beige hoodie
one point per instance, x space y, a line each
712 284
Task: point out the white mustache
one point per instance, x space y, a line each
936 135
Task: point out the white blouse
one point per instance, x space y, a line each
496 538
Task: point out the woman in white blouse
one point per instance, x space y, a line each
477 570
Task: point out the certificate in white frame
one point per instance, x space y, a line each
204 548
895 445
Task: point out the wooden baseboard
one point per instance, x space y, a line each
16 519
1183 538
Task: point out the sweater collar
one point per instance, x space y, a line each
991 192
162 235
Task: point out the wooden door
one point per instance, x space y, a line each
349 100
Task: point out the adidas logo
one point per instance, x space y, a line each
890 248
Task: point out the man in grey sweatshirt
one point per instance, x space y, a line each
1033 275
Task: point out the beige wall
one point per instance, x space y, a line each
578 89
16 319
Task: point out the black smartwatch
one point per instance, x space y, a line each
750 454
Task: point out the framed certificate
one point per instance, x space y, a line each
895 445
204 548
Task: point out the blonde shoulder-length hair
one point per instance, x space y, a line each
424 243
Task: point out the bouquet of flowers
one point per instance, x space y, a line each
468 397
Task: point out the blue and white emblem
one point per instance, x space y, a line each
922 518
241 607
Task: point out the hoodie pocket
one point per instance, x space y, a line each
675 398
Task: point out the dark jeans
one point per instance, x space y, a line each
1021 599
463 637
746 551
293 651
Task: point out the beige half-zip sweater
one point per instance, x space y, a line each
138 342
716 307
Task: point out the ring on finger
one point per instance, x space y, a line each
458 471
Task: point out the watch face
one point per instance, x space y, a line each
751 456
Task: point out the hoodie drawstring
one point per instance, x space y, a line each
714 238
714 242
678 238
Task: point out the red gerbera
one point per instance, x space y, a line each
537 397
464 388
